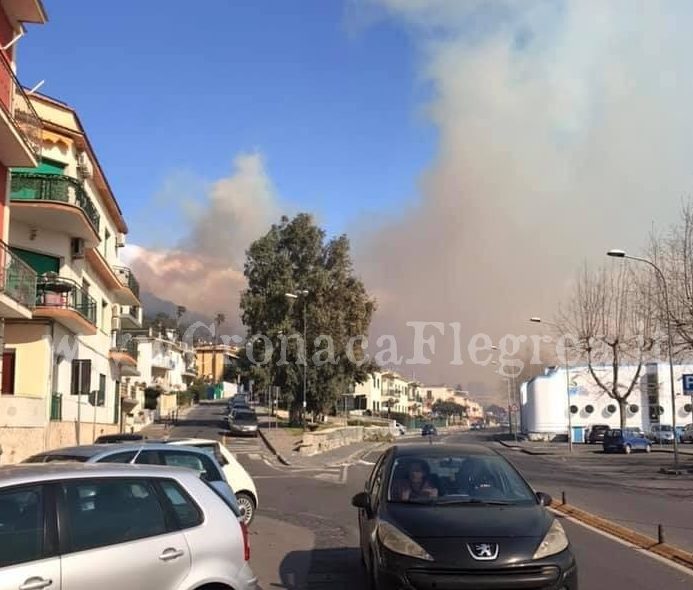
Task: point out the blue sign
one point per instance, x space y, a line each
687 383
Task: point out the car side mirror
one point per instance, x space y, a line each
544 499
361 500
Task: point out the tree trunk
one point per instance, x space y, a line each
622 409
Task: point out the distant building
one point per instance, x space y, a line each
544 400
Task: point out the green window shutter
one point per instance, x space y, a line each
39 262
45 167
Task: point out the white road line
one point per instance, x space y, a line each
654 556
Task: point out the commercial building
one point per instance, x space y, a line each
545 407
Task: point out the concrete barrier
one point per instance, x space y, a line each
333 438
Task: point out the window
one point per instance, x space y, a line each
199 462
81 377
215 451
107 512
39 262
375 482
104 315
148 458
102 390
187 513
9 361
21 525
124 457
106 238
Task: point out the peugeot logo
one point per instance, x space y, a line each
483 551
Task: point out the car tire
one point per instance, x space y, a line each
247 505
627 449
648 448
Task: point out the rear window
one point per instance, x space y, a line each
613 433
226 501
45 458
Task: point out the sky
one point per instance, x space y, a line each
170 96
477 152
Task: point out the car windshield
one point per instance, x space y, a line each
456 479
245 417
665 428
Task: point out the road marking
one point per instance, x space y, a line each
654 556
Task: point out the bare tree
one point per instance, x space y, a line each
673 253
611 322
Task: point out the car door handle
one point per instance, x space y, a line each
35 584
171 553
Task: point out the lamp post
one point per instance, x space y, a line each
615 253
538 320
293 296
510 403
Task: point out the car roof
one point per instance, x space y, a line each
191 441
428 449
110 449
36 472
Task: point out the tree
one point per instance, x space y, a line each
294 256
449 408
673 253
611 320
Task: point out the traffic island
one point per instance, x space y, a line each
657 546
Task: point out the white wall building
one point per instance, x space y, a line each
545 405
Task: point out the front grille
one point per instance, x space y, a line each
517 578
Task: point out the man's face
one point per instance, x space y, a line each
416 473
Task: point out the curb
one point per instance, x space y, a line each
678 556
271 448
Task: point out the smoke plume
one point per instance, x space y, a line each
565 130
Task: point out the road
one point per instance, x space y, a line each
305 536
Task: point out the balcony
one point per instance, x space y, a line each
130 292
124 353
17 285
55 202
130 317
20 126
163 361
66 302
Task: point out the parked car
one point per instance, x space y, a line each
243 423
121 526
596 433
626 441
458 516
399 429
148 453
239 479
429 430
119 438
687 434
662 434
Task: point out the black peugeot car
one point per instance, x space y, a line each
461 517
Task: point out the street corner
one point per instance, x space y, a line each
280 553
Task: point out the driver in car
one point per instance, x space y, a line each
417 486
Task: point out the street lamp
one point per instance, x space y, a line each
510 404
538 320
616 253
293 296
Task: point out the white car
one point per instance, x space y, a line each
239 479
80 526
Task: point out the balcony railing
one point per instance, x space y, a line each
134 312
124 342
29 186
15 102
54 291
128 279
18 279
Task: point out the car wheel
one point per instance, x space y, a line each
627 449
247 506
648 449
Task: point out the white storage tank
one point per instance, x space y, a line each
546 408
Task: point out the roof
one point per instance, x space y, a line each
92 450
32 472
428 449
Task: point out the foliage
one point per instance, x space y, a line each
446 408
151 397
294 256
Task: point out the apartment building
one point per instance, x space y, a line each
64 365
166 367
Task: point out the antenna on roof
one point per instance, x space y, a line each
35 88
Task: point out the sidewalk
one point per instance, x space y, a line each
284 443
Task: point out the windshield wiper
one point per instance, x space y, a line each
474 501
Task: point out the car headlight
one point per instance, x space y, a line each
554 542
397 542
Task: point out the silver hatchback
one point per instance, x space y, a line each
86 526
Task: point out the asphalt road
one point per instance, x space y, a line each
305 535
